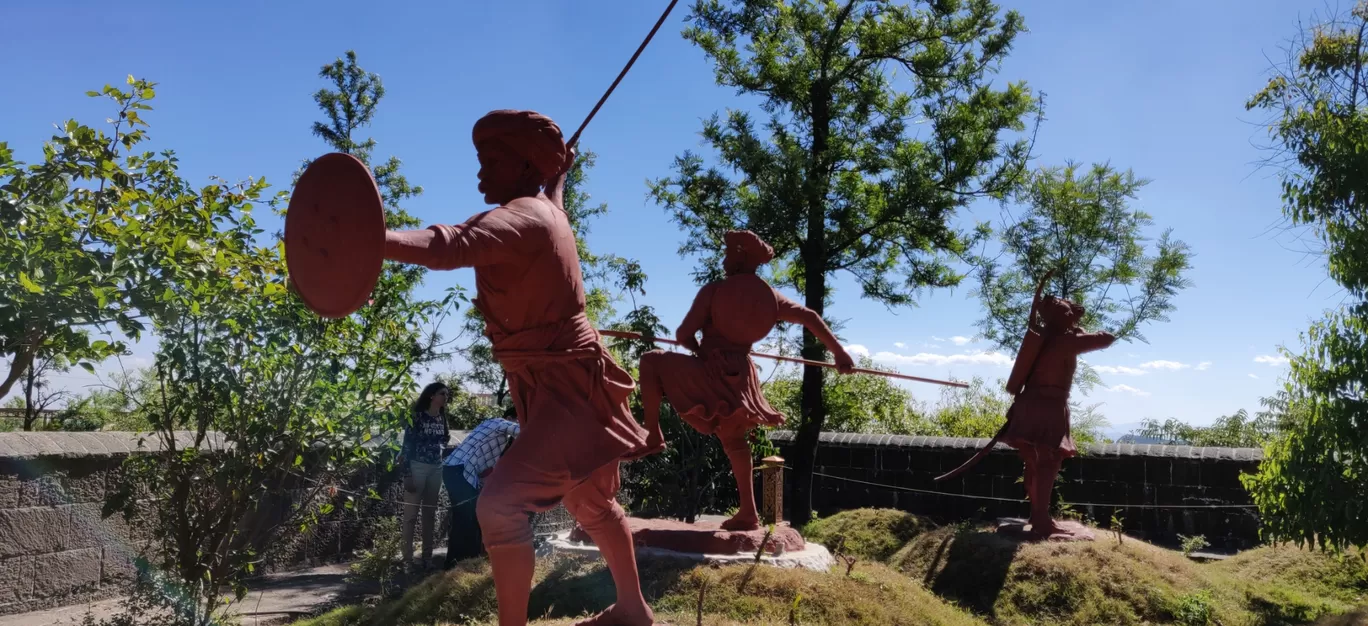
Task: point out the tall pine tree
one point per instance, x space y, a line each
882 120
349 104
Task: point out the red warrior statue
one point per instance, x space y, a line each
1038 420
570 396
716 390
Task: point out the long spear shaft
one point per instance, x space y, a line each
575 138
622 334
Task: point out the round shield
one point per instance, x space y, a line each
335 235
744 309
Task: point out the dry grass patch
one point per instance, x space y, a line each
1103 582
567 589
867 533
941 576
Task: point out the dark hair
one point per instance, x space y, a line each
425 398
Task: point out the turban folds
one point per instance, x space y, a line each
1057 311
531 135
748 249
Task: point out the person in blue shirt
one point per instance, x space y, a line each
424 439
463 474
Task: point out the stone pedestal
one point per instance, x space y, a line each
1065 531
706 542
704 537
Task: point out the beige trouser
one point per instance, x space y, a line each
427 485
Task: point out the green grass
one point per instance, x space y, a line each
867 533
567 589
914 574
1103 582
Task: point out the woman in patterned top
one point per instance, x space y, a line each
421 460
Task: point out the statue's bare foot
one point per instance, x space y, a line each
742 521
1051 531
615 616
1043 530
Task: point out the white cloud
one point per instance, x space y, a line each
1254 377
1271 361
959 341
899 344
1119 369
857 350
931 358
937 339
1203 366
1164 365
1128 389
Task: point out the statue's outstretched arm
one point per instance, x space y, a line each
794 313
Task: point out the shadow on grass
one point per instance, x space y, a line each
1355 618
570 590
983 556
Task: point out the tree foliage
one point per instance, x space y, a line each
859 403
1081 226
295 400
1237 430
979 410
1312 487
880 120
36 395
93 237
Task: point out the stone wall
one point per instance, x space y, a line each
55 549
1142 483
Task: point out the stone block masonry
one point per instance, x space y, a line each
55 549
1159 491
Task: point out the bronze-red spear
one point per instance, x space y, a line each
622 334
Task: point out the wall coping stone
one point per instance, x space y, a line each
21 446
33 445
862 440
24 446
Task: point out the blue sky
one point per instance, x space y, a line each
1158 87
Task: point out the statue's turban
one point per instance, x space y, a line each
747 248
530 134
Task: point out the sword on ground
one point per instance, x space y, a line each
622 334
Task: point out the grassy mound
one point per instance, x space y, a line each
867 533
1297 585
567 589
914 574
1133 582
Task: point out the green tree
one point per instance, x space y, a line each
1237 430
862 403
1080 226
104 408
349 104
36 395
850 173
1312 487
92 236
295 399
979 410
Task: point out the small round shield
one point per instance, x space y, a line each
335 235
744 309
